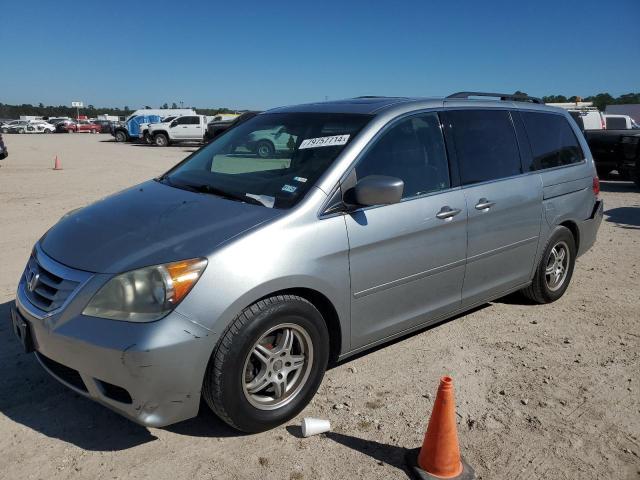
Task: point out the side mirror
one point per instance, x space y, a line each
375 190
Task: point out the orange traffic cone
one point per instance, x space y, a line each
439 456
57 165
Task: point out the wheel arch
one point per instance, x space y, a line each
326 309
575 231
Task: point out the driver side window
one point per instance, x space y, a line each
412 150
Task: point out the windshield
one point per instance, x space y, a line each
271 160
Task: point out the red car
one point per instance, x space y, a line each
80 126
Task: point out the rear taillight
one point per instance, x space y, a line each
596 186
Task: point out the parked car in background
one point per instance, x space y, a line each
4 153
55 120
78 127
188 128
87 126
14 126
620 122
615 150
236 279
144 129
217 126
130 129
40 126
105 125
588 118
28 126
66 126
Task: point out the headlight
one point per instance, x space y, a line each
146 294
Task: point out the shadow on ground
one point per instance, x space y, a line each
624 217
31 397
381 452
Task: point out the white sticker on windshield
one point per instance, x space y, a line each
324 141
300 179
289 188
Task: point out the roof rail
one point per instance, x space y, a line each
502 96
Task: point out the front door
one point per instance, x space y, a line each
504 205
406 259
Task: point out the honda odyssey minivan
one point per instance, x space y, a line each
237 276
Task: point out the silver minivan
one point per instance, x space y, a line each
238 276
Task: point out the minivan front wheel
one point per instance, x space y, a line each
555 269
268 364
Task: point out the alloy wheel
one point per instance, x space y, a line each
557 266
277 367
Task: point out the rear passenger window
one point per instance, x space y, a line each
412 150
552 140
485 145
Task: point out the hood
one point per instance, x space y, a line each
148 224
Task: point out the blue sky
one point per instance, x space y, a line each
261 54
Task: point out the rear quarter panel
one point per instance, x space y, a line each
568 192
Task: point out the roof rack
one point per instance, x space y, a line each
502 96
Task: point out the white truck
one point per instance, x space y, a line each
144 134
187 128
585 114
620 122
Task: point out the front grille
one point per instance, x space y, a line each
45 290
64 373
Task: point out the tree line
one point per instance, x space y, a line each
601 100
40 110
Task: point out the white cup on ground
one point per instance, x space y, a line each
314 426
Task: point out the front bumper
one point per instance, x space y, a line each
149 372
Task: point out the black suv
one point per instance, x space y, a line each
216 127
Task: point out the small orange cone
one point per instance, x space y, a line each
57 165
439 456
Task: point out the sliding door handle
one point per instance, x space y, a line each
447 212
483 204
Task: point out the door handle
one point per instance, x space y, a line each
483 204
447 212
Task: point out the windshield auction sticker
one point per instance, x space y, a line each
324 141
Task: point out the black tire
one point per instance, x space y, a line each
148 139
121 137
5 130
161 140
223 386
540 290
265 149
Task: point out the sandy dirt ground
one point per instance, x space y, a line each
547 391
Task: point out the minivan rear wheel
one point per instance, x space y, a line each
268 364
555 269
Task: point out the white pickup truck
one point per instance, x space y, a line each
620 122
188 128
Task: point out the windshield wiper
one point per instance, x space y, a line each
224 194
208 189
